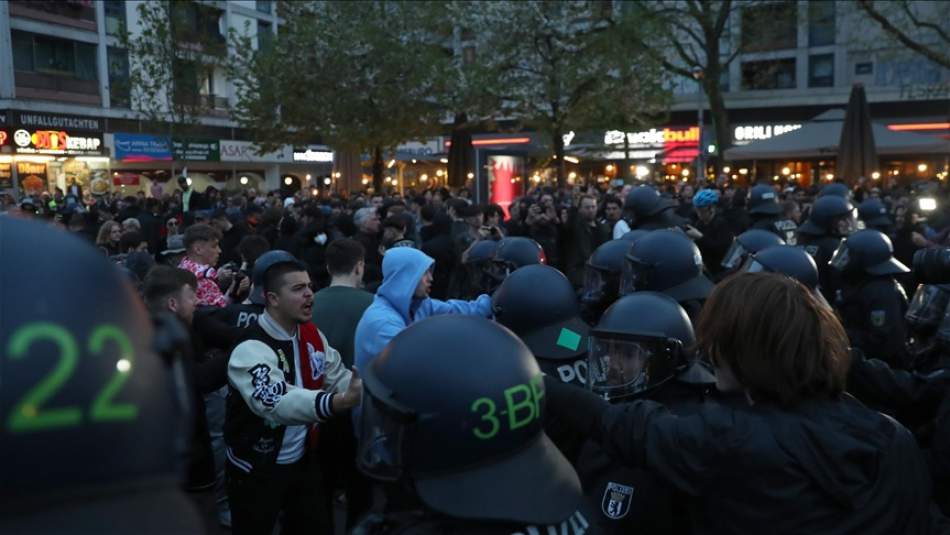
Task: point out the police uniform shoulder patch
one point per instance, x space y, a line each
616 502
811 249
878 318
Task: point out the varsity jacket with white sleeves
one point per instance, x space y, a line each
265 396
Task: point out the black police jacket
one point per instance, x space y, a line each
783 228
872 310
822 248
627 499
427 523
826 466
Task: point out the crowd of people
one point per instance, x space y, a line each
672 358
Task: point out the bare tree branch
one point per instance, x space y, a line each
901 36
924 24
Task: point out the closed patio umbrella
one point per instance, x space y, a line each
857 154
460 153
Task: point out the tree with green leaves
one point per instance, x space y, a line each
559 66
359 76
171 58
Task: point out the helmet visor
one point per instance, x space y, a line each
621 367
845 225
927 306
635 276
735 256
841 260
498 271
382 430
595 285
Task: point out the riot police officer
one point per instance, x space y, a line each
539 305
836 189
667 261
873 213
764 210
830 220
927 324
240 316
459 435
634 235
512 253
746 244
871 302
650 210
640 349
602 277
475 278
93 395
787 260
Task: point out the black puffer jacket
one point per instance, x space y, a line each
826 467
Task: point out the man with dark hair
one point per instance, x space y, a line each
587 234
250 249
613 210
231 235
284 380
132 241
201 255
338 309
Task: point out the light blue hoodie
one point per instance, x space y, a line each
394 307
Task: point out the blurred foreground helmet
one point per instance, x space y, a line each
261 265
463 428
831 215
477 261
867 251
638 344
513 253
93 405
747 243
666 261
634 235
763 200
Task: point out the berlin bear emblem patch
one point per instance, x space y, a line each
616 502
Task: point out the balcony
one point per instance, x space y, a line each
34 85
74 13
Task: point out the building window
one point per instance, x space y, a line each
58 57
265 35
120 88
821 23
71 9
115 16
770 26
769 74
863 68
821 70
265 6
197 23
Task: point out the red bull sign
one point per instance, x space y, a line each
671 144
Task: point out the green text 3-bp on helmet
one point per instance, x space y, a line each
867 251
539 305
92 420
668 262
748 243
639 343
453 407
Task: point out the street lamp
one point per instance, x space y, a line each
698 76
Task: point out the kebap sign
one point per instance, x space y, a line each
57 142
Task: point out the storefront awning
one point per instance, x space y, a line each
820 139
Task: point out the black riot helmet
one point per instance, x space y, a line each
92 393
463 430
634 235
644 202
926 309
836 189
602 273
477 261
867 251
831 215
747 243
261 265
665 261
639 343
515 252
874 214
763 201
539 305
788 260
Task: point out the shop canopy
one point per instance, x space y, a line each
820 138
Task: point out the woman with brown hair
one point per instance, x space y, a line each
108 238
782 448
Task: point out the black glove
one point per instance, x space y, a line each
576 407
